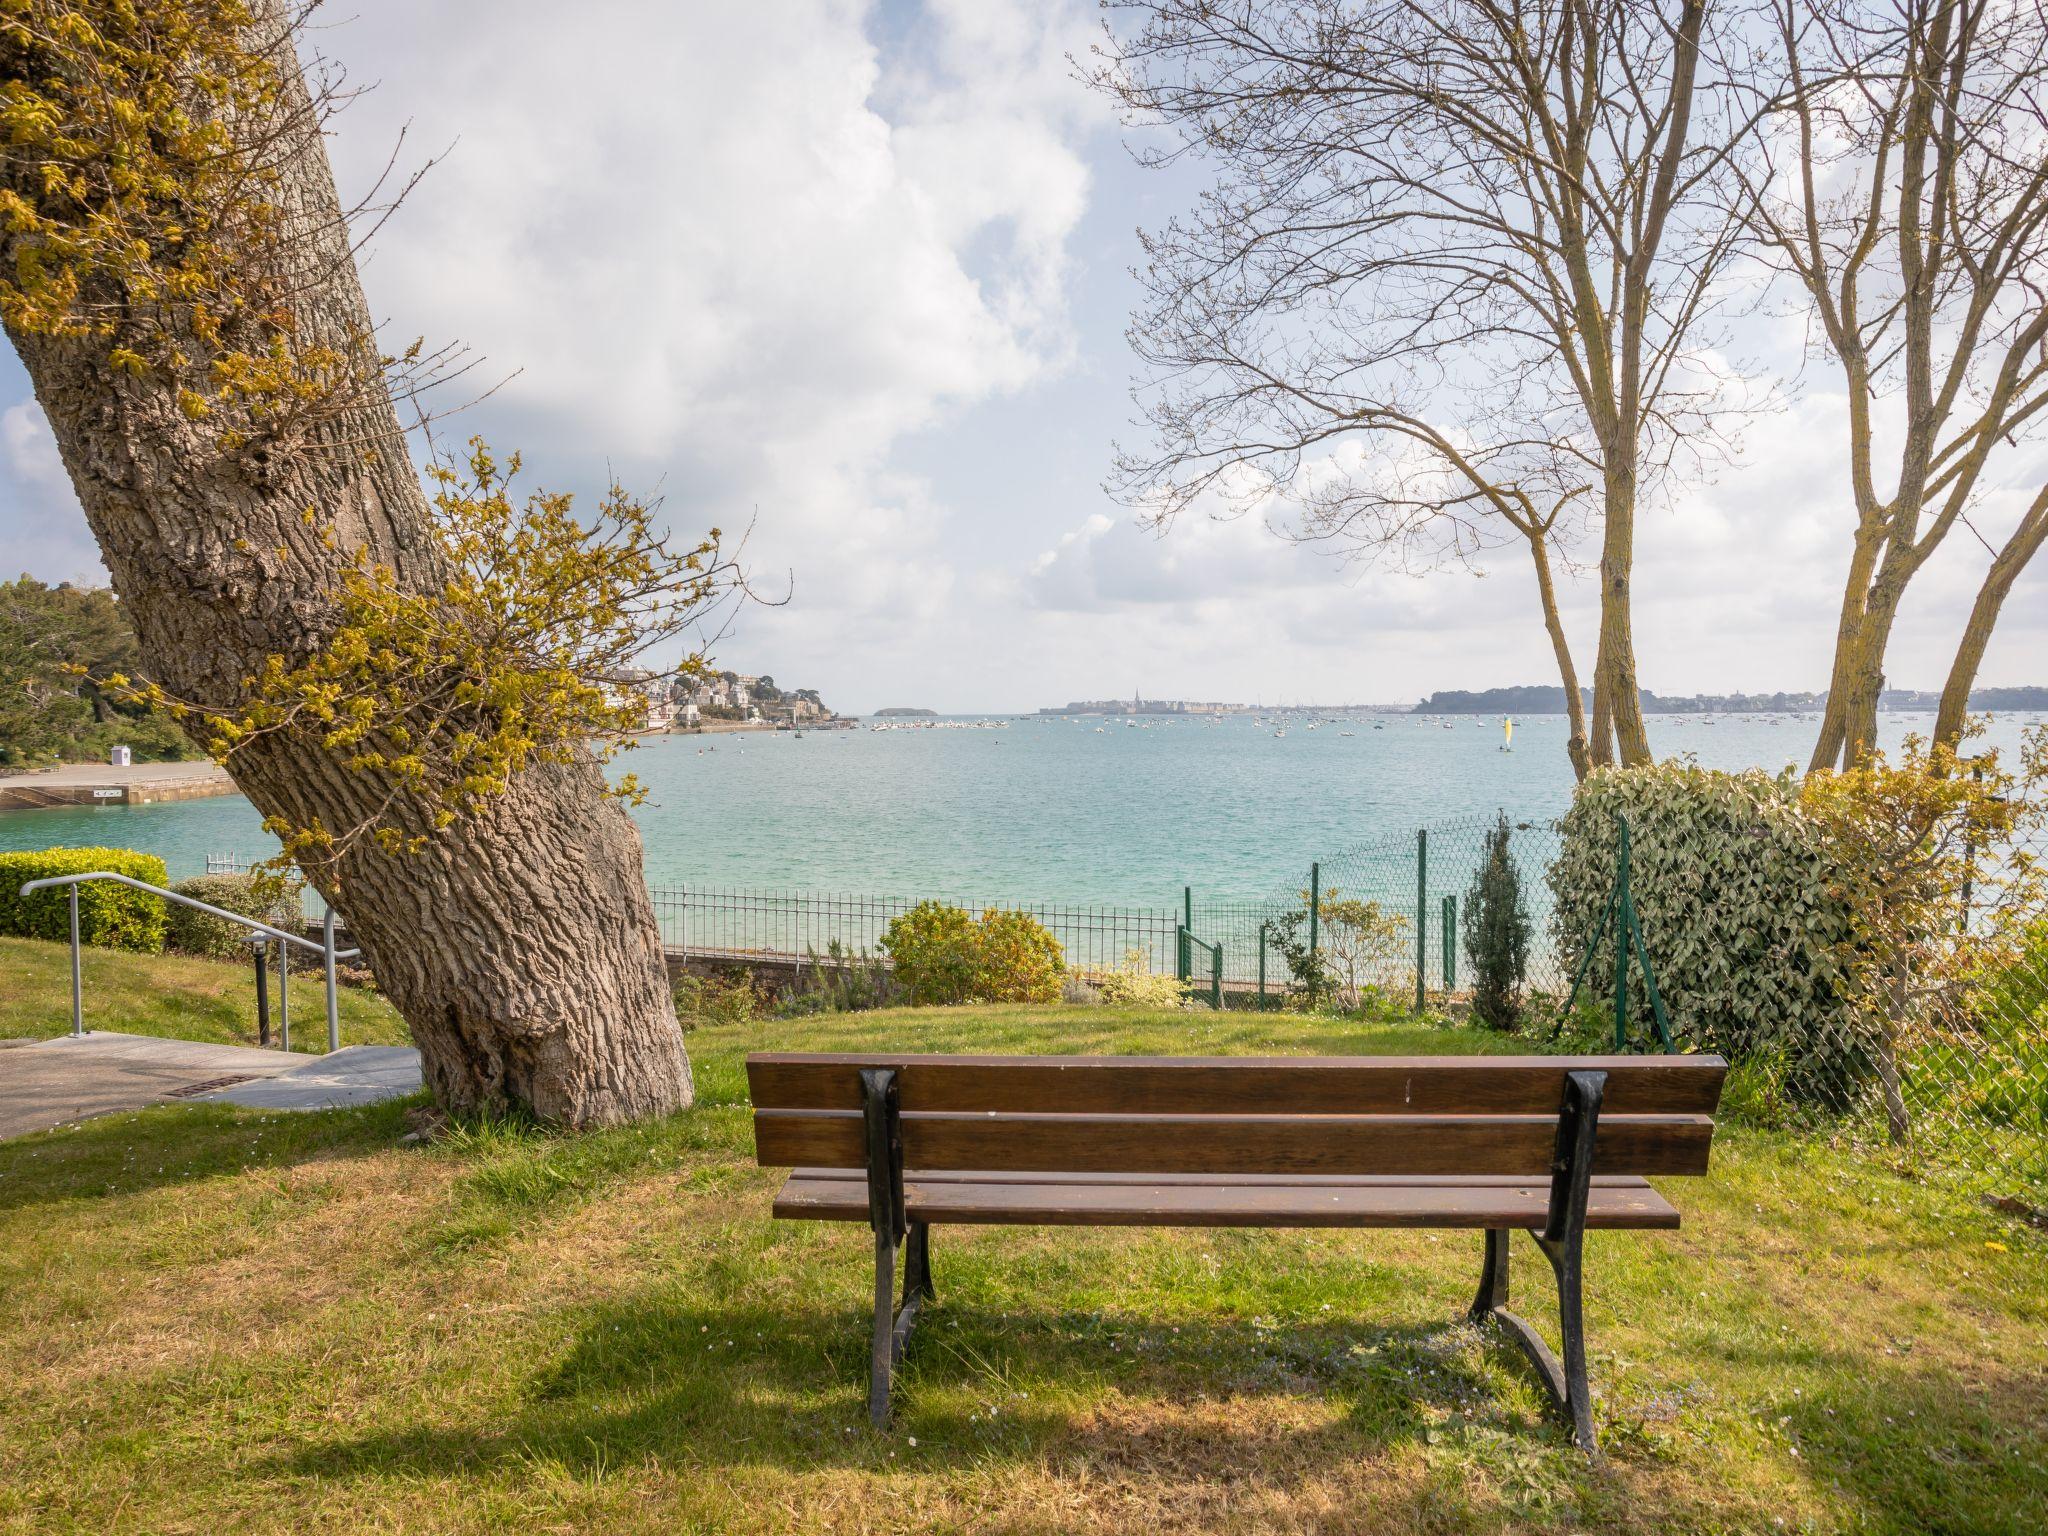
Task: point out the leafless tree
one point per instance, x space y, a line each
1454 283
1904 185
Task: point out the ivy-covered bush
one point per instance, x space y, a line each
1746 927
110 916
941 955
200 933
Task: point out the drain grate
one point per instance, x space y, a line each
193 1090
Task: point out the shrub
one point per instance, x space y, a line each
932 950
1497 933
1744 920
110 916
1363 945
1134 983
716 999
838 981
941 955
1017 960
200 933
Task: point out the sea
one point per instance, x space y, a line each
1114 811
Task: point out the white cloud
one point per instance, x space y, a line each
741 247
41 527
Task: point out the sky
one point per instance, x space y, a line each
858 275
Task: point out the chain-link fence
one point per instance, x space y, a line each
1390 917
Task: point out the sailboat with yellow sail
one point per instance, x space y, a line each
1507 734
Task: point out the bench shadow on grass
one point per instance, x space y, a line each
169 1144
785 1386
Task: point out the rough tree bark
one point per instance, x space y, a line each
521 949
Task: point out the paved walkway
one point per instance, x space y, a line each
53 1082
190 771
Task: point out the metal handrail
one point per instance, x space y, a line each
325 949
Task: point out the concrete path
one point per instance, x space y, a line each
356 1074
53 1082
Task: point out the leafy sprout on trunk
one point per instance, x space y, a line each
537 647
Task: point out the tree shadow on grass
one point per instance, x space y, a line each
125 1154
785 1386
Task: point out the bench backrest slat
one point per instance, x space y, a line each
1420 1144
1237 1115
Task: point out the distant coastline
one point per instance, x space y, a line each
1551 700
897 712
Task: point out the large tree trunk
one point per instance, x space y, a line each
1856 687
1827 746
2005 569
521 949
1614 667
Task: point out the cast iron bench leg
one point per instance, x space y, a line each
892 1326
1563 1243
882 1356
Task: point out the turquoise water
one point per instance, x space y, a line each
1049 810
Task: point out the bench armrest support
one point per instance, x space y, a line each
1571 1169
881 1105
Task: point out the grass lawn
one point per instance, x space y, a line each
216 1321
175 996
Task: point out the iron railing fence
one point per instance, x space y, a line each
737 923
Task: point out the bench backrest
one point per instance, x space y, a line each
1415 1115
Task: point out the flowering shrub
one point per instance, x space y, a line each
941 955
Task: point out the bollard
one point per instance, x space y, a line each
259 952
77 978
333 1007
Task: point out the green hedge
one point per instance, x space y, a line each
110 916
200 933
1731 883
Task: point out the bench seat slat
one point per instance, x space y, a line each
1225 1203
995 1176
1354 1085
1521 1145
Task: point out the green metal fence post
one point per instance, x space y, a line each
1624 912
1180 952
1315 907
1421 916
1262 966
1450 926
1216 977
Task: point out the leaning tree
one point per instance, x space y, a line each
1452 283
405 684
1904 191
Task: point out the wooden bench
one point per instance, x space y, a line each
1550 1145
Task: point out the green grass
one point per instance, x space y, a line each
219 1321
175 996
